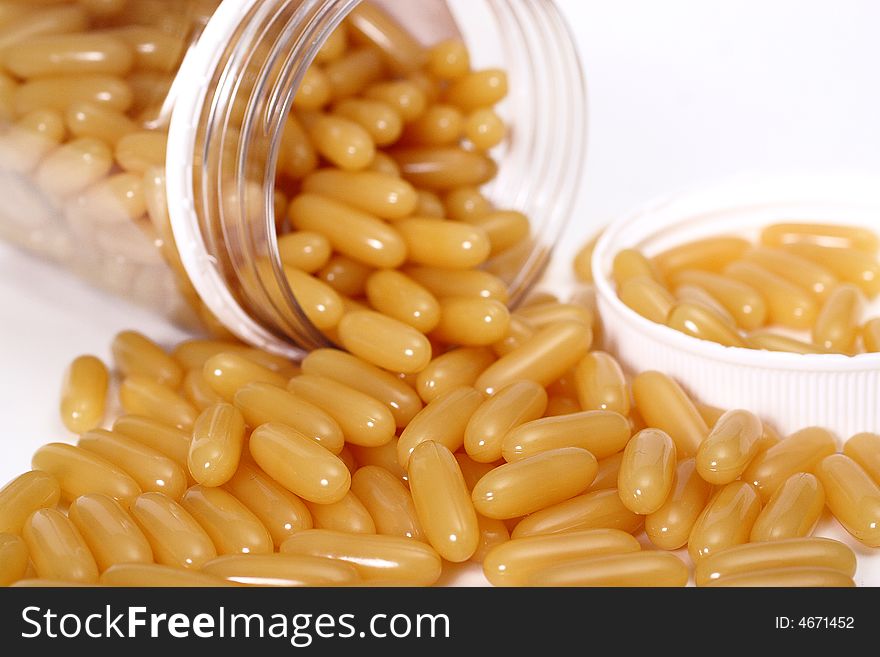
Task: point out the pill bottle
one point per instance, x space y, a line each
195 110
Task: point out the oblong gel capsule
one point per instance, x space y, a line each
356 234
23 496
281 570
388 502
631 263
793 510
505 229
363 419
441 169
648 298
471 322
454 369
800 271
57 549
84 394
314 90
743 301
700 297
787 578
637 569
261 403
298 156
73 167
602 433
141 395
117 199
442 501
787 304
449 60
838 323
864 449
600 509
299 464
726 521
138 152
110 533
70 54
507 409
444 283
664 405
385 125
800 452
142 575
218 439
710 254
384 457
771 341
514 562
152 470
347 278
871 336
348 515
279 510
227 372
647 473
384 342
400 297
444 244
320 303
478 89
534 483
375 557
174 535
79 472
789 553
341 141
13 559
306 251
439 125
165 439
407 99
545 357
669 527
703 323
197 391
606 476
443 421
372 25
730 446
852 496
539 315
401 399
230 524
601 384
855 237
59 93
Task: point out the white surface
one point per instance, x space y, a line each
681 92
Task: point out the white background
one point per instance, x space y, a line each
681 92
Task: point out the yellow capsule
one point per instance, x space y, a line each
631 263
348 277
383 123
281 570
60 93
449 60
443 421
731 445
231 526
358 235
384 457
384 164
478 90
26 23
442 501
347 515
638 569
771 341
165 439
279 510
109 532
710 254
864 449
141 395
363 419
79 472
84 394
135 353
299 464
341 141
372 25
800 452
511 407
138 152
445 244
154 50
197 391
218 438
93 120
472 322
13 559
798 270
25 495
793 510
401 400
669 527
57 549
444 168
603 433
787 304
141 575
444 283
786 578
789 553
743 301
439 125
396 295
484 129
504 229
29 140
306 251
387 501
854 237
852 496
648 298
70 54
664 405
545 357
492 533
467 204
726 521
534 483
319 301
583 260
73 167
601 509
228 372
647 472
871 335
695 295
606 476
407 99
519 331
314 90
380 195
152 470
174 535
298 157
375 557
540 315
837 325
600 384
353 72
384 342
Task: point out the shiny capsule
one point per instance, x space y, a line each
387 501
380 195
695 295
443 421
710 254
743 301
138 152
647 472
218 438
439 125
669 527
347 515
13 559
729 448
454 369
197 391
165 439
864 449
519 331
351 73
511 407
135 353
441 169
84 394
175 536
25 495
141 575
70 54
704 324
110 533
314 90
787 578
384 342
398 296
73 167
648 298
478 90
230 524
303 250
852 496
597 510
800 271
59 93
57 549
281 570
603 433
320 303
505 229
771 341
485 129
631 263
298 157
638 569
383 123
341 141
800 452
664 405
449 60
228 372
471 322
837 325
407 99
606 476
79 472
375 557
726 521
787 304
444 283
821 234
793 510
444 244
141 395
601 385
